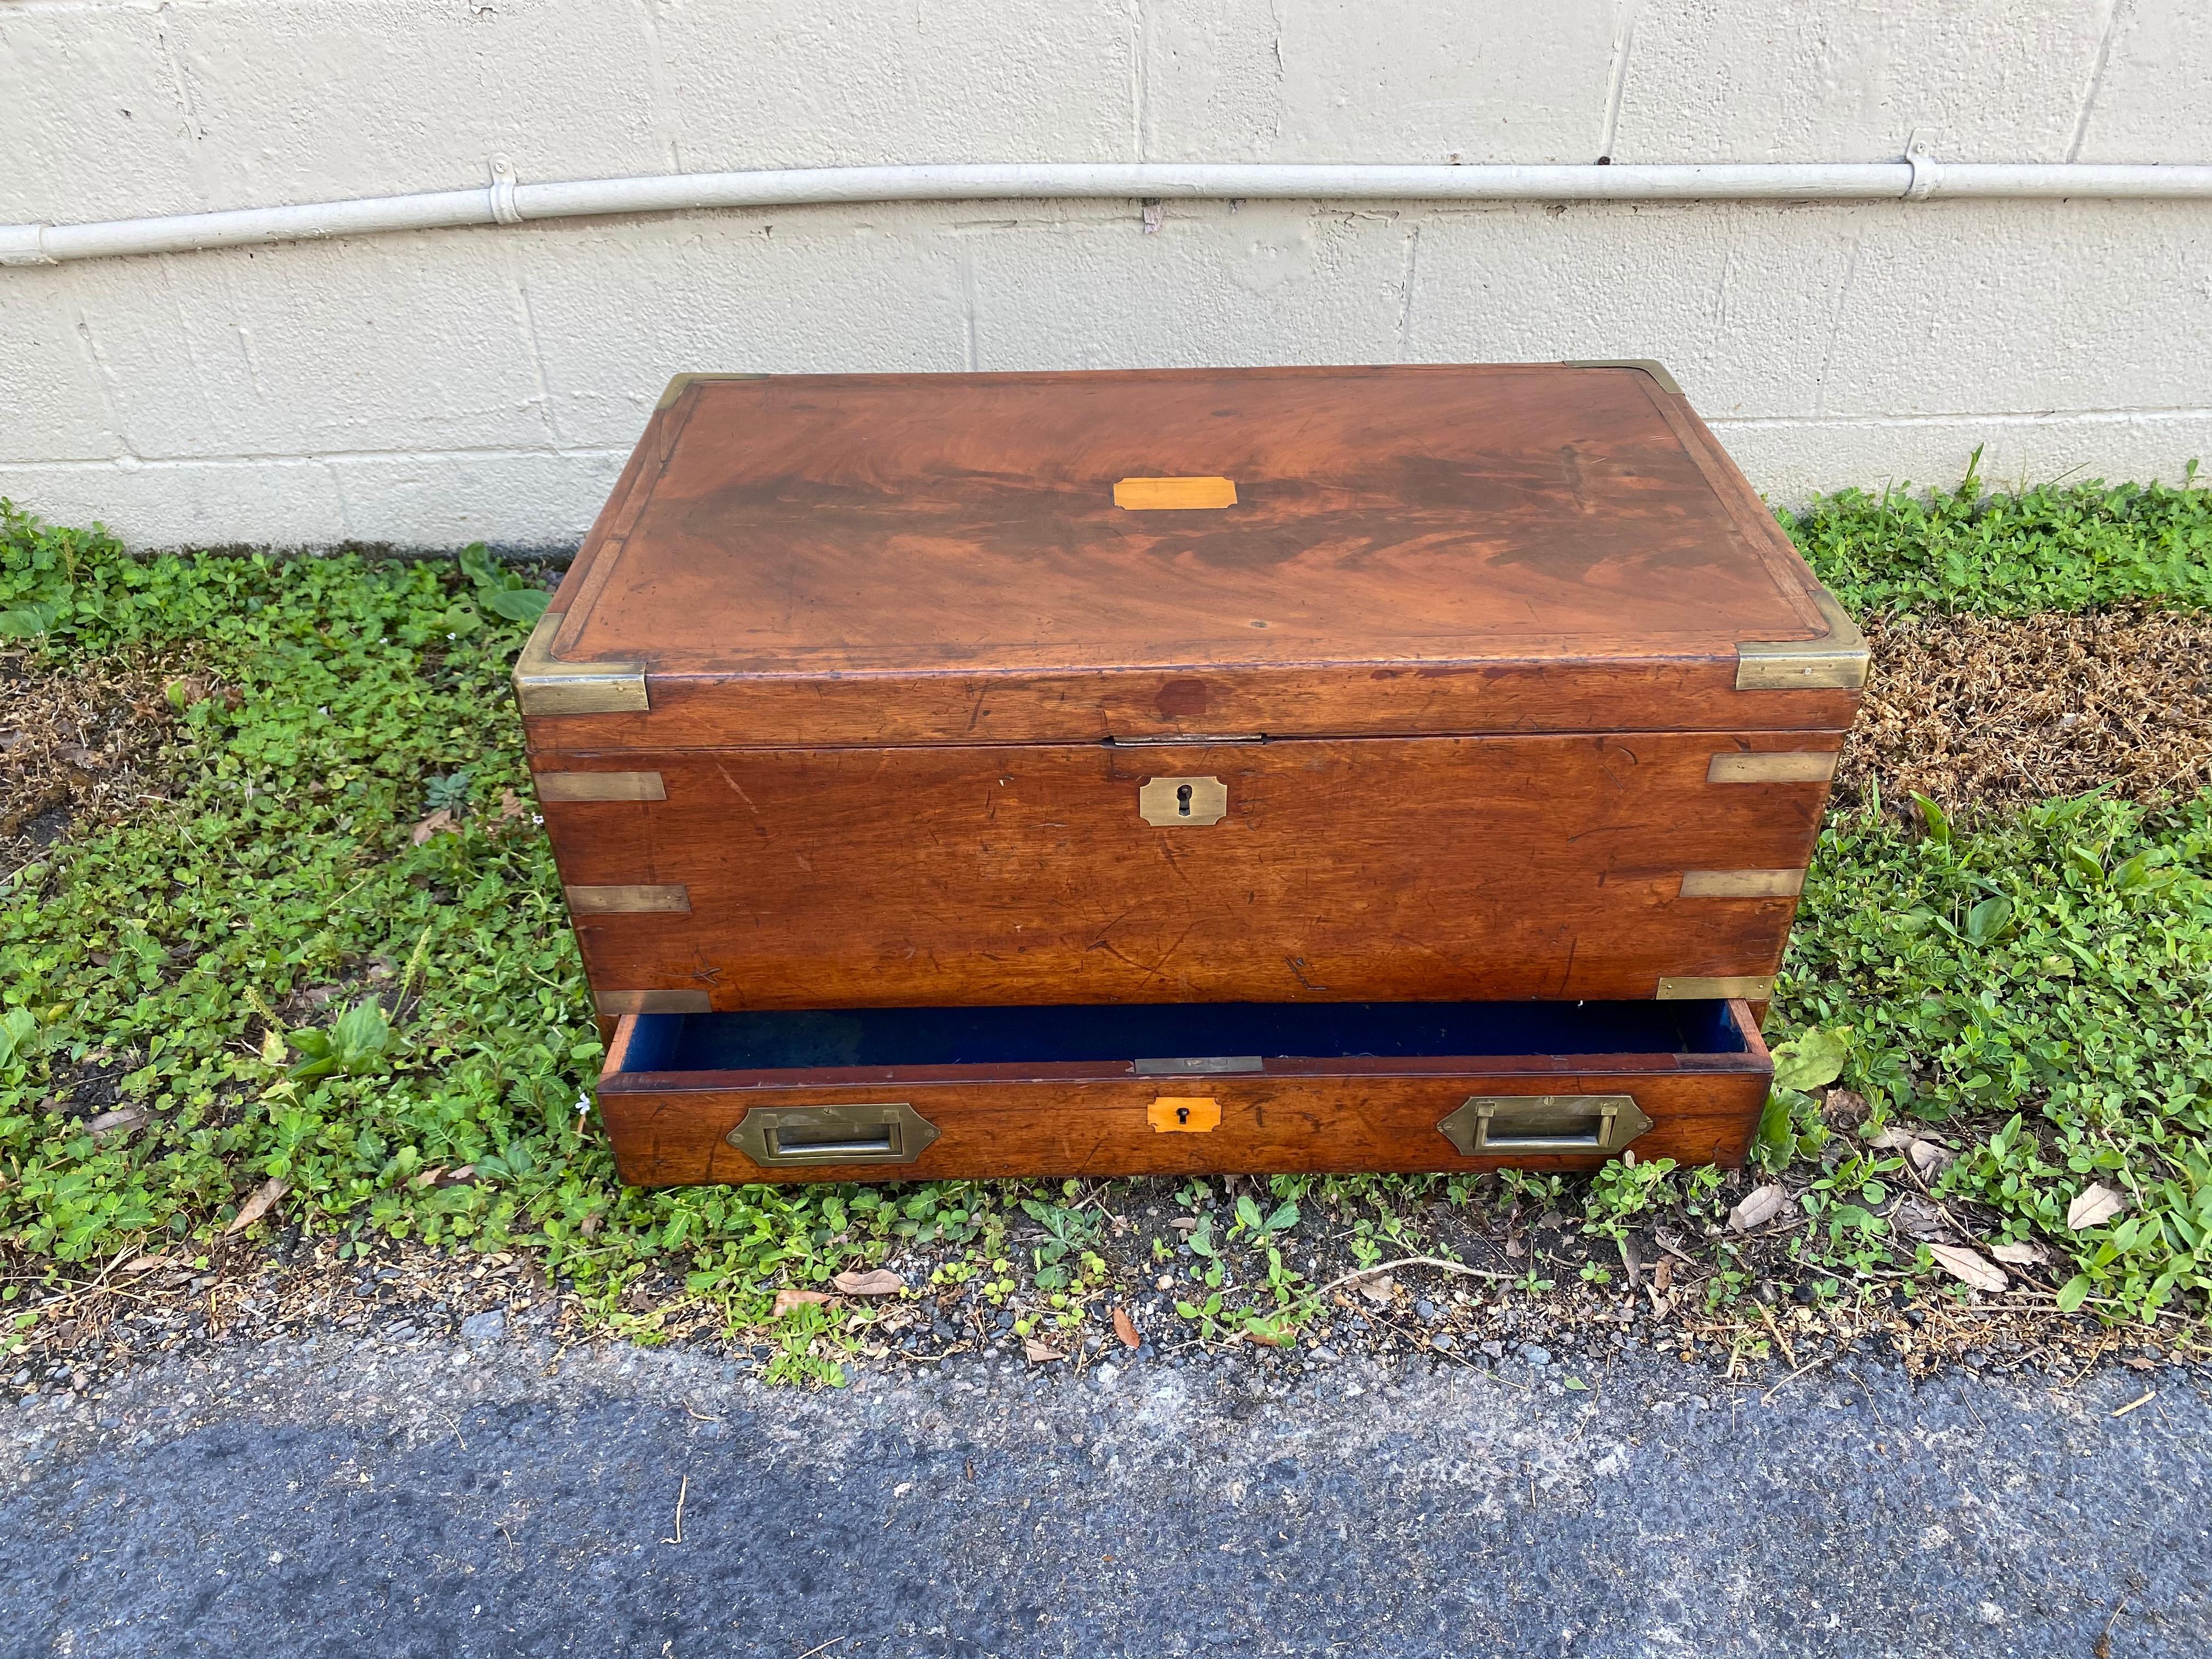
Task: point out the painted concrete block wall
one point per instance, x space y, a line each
437 388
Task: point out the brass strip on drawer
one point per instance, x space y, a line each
615 1003
1790 766
543 684
1838 662
625 901
602 786
1742 884
1751 988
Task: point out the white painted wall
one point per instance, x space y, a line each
433 388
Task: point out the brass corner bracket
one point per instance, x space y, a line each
675 387
1836 663
1650 366
543 684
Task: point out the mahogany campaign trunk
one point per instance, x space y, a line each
1187 770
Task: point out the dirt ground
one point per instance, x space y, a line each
78 747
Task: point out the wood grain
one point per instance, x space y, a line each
939 558
1386 870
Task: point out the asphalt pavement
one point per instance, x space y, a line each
333 1496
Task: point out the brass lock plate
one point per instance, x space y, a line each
1189 1115
1492 1126
1169 801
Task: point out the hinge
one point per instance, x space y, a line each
1837 661
545 685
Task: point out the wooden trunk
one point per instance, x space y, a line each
1142 692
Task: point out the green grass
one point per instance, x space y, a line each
2087 547
2038 986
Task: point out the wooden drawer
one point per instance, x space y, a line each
1565 867
898 1094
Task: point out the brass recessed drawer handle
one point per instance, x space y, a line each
781 1136
1513 1125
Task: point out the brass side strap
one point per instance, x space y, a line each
627 900
1785 766
600 785
1742 884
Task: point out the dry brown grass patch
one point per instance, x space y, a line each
1977 712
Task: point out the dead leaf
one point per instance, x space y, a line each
147 1264
258 1206
1969 1265
1894 1139
2094 1206
512 805
1379 1289
2138 1363
1126 1328
1663 1274
1632 1264
439 822
786 1300
461 1177
881 1282
108 1123
1845 1109
1514 1247
1759 1205
1929 1159
429 1177
1916 1218
2024 1254
1184 1223
1039 1354
1261 1339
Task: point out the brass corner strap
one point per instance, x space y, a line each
1656 369
1837 662
677 385
543 684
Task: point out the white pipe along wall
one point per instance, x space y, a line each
507 200
815 186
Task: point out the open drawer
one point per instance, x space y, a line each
899 1094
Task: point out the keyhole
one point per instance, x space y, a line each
1182 1114
1182 801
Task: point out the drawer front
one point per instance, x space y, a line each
1567 867
1245 1114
